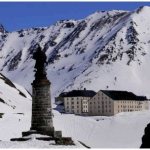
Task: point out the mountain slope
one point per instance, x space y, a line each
106 50
13 98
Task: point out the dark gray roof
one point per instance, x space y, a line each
123 95
78 93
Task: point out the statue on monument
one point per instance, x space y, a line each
40 65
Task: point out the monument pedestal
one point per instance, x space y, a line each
42 120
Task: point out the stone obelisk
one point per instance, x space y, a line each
41 100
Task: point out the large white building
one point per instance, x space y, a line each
102 103
108 103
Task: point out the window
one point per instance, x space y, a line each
72 102
72 107
72 98
77 102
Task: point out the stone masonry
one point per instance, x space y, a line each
41 108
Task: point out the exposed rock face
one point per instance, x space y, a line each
146 138
2 29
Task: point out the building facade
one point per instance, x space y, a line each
108 103
76 101
103 103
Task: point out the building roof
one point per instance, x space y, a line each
78 93
123 95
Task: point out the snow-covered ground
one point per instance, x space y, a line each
36 144
124 130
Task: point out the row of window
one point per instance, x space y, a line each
77 102
103 106
122 106
85 102
72 103
128 110
102 102
85 110
131 102
76 98
101 111
85 106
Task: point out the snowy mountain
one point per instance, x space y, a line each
106 50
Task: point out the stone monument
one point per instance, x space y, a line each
41 100
42 117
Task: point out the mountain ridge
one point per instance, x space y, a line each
97 52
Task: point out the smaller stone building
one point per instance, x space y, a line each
75 101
